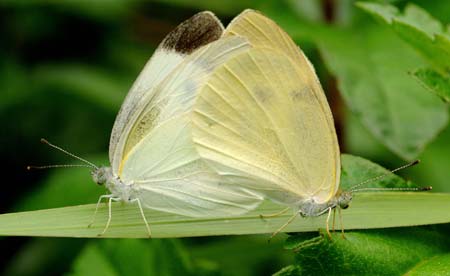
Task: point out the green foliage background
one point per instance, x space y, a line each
66 66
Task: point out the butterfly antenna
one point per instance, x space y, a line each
57 166
413 163
414 189
88 164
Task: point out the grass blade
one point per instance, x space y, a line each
368 210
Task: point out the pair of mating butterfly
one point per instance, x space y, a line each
221 119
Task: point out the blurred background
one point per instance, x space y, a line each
65 67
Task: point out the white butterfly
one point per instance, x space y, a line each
153 158
263 121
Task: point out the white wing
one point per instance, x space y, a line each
260 124
178 181
199 30
263 120
198 195
174 96
159 156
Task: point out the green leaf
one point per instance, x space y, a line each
418 28
435 82
368 210
371 66
427 35
355 170
372 252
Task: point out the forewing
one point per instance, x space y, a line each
174 96
262 32
199 30
259 122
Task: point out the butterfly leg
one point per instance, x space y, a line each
275 214
143 216
334 219
96 208
342 225
283 226
328 223
111 199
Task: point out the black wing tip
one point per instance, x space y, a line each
193 33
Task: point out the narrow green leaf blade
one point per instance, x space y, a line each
368 210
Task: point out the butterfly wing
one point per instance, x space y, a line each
263 122
262 32
178 181
198 195
159 157
199 30
173 98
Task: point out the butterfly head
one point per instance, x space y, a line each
343 200
101 175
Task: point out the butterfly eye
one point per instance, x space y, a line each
99 175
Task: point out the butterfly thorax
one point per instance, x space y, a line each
310 208
118 189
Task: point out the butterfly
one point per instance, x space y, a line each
154 162
262 121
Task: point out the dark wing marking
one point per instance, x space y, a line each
199 30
